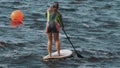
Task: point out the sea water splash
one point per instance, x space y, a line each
92 26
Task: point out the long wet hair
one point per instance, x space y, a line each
56 5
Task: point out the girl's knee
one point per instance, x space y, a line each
49 42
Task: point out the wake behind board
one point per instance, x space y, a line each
63 54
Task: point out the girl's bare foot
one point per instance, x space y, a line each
50 56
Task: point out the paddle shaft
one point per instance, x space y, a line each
69 41
79 55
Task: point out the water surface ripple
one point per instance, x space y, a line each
92 25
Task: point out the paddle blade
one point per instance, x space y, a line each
79 55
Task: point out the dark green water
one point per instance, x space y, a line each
92 25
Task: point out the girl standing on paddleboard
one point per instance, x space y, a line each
54 19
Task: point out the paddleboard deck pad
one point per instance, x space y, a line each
63 54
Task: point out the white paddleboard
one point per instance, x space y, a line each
63 54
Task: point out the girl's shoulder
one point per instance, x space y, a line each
49 9
58 13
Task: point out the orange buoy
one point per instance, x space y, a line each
16 15
16 18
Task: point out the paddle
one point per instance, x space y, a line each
80 56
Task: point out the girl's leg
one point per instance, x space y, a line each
49 36
57 43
